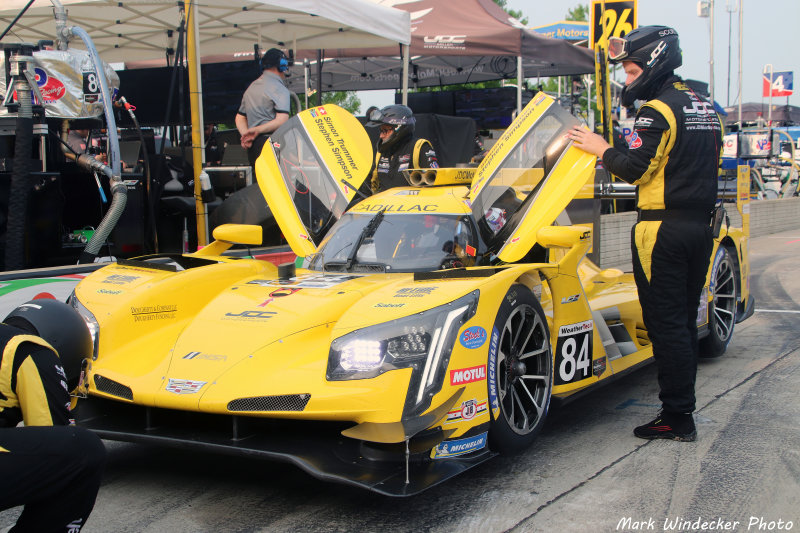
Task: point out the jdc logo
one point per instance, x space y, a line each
657 52
252 314
699 108
446 39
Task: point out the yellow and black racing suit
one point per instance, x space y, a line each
673 158
392 161
50 467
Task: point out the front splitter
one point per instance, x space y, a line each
316 447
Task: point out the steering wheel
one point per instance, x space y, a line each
451 261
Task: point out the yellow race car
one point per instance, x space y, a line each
422 331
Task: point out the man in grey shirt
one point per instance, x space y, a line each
265 105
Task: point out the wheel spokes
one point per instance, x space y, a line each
536 405
522 411
524 394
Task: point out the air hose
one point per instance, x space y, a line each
119 191
20 177
148 180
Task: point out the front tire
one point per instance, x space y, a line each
520 371
722 309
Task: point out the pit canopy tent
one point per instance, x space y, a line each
452 42
136 30
130 30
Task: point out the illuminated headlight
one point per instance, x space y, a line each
361 355
422 342
91 322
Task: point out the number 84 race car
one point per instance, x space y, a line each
427 329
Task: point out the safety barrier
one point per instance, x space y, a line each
766 216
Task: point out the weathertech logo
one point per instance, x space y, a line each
467 375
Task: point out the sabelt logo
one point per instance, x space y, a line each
468 375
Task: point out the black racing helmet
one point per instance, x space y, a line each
655 49
399 116
62 327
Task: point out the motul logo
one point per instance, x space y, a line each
445 39
467 375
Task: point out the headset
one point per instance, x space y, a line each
283 65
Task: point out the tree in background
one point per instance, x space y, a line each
513 12
578 103
348 100
580 13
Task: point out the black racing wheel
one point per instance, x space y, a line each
520 371
722 309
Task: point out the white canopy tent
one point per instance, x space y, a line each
135 30
130 30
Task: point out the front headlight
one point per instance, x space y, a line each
91 322
423 342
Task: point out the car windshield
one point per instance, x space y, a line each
316 197
400 243
521 175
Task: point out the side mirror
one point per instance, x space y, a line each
238 233
563 236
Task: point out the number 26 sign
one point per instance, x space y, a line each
612 18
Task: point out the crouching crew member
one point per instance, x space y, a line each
51 468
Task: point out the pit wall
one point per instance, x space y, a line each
766 216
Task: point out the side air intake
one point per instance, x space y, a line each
109 386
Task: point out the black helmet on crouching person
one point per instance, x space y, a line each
656 50
62 327
398 116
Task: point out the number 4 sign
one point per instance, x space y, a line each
781 83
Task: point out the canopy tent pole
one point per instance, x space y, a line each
306 69
319 77
195 90
520 78
406 61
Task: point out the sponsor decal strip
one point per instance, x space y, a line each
467 375
452 448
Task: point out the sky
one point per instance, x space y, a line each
770 36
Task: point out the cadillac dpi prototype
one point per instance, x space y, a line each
422 331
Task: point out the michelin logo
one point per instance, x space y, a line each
451 448
493 402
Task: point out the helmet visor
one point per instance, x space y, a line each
617 48
374 118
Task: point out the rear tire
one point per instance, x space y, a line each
520 371
722 309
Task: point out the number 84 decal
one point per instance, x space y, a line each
574 352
